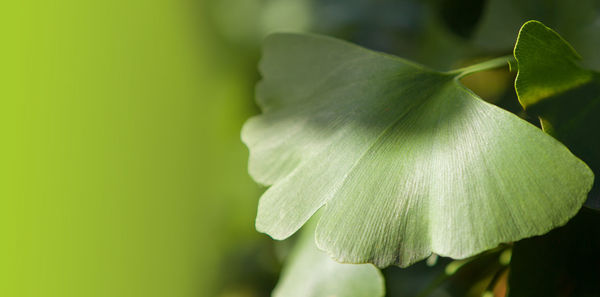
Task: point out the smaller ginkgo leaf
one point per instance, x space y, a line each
309 272
405 160
566 97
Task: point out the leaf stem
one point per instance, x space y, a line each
490 64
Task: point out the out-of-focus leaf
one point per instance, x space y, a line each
309 272
470 277
417 29
478 275
421 279
245 23
406 160
565 96
578 21
563 263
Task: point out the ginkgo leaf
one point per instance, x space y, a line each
309 272
566 97
501 20
405 160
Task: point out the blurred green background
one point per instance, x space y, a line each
122 169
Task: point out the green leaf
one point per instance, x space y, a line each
577 22
309 272
405 160
551 84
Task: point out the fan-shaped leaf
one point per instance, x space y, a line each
578 23
551 84
405 160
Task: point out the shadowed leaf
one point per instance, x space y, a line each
565 96
405 160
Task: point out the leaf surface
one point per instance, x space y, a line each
405 160
551 84
309 272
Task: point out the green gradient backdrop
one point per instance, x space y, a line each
122 172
